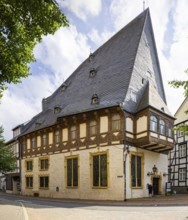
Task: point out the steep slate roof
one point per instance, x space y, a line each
120 63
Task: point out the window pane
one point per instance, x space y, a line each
46 179
139 173
95 170
42 182
93 128
162 127
133 171
116 122
75 172
103 169
169 130
29 181
69 172
44 140
153 123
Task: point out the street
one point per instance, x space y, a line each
26 208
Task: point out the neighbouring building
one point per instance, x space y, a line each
105 133
178 157
12 179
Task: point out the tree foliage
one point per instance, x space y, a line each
181 84
7 156
22 25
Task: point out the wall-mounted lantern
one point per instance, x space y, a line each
153 172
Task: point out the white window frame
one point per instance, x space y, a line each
182 174
182 150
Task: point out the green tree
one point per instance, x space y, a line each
181 84
22 25
7 156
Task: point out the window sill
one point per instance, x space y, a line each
72 187
100 187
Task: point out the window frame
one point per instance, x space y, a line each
99 154
33 143
73 132
180 133
182 148
162 126
170 131
137 186
44 140
57 136
93 128
42 164
153 123
182 174
116 122
29 183
29 163
24 144
72 158
46 186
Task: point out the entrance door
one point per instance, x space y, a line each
155 186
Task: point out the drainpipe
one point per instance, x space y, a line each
20 167
125 148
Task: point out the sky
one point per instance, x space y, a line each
92 23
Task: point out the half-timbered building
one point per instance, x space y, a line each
105 133
178 157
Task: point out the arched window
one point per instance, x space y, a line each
162 127
169 130
116 122
153 123
92 128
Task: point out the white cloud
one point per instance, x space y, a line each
99 37
63 52
174 66
82 8
22 101
124 11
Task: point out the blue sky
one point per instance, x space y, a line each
93 22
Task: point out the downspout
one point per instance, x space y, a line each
125 148
20 167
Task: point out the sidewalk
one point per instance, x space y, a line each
162 200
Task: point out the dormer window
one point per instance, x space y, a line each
37 124
95 99
57 109
91 57
63 87
92 72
